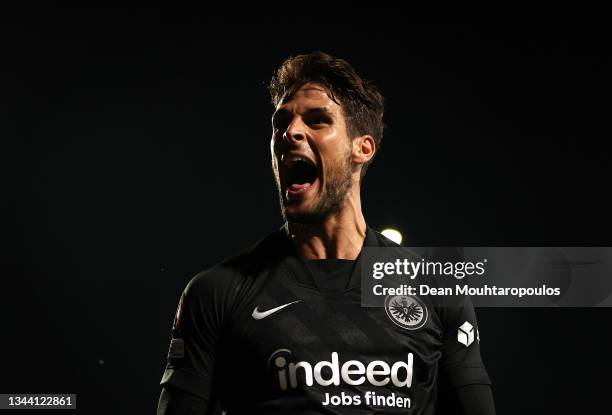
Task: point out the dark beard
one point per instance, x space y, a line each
331 200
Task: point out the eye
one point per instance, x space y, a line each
280 123
318 120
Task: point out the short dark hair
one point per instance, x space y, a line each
361 101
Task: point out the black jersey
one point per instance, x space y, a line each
260 335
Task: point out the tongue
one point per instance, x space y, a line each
296 187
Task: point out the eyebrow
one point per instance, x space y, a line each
282 112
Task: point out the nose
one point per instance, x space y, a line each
294 131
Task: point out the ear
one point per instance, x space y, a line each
364 148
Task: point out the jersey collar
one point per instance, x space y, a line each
298 267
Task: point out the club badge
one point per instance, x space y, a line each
406 311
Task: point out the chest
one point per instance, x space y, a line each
300 324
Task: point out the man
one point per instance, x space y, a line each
280 328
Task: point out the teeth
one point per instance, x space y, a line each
290 160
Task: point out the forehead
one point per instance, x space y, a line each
308 96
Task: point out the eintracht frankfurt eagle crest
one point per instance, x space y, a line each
406 311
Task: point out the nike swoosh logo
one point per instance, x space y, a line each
258 315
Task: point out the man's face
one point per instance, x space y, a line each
311 155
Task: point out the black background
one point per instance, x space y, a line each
135 153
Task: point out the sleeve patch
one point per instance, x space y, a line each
177 349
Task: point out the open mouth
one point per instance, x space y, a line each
300 174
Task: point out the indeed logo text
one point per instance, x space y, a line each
351 372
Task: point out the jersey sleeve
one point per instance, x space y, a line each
467 400
461 363
203 309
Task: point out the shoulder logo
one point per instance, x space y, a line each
465 334
258 315
406 311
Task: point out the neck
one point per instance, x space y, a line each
338 236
